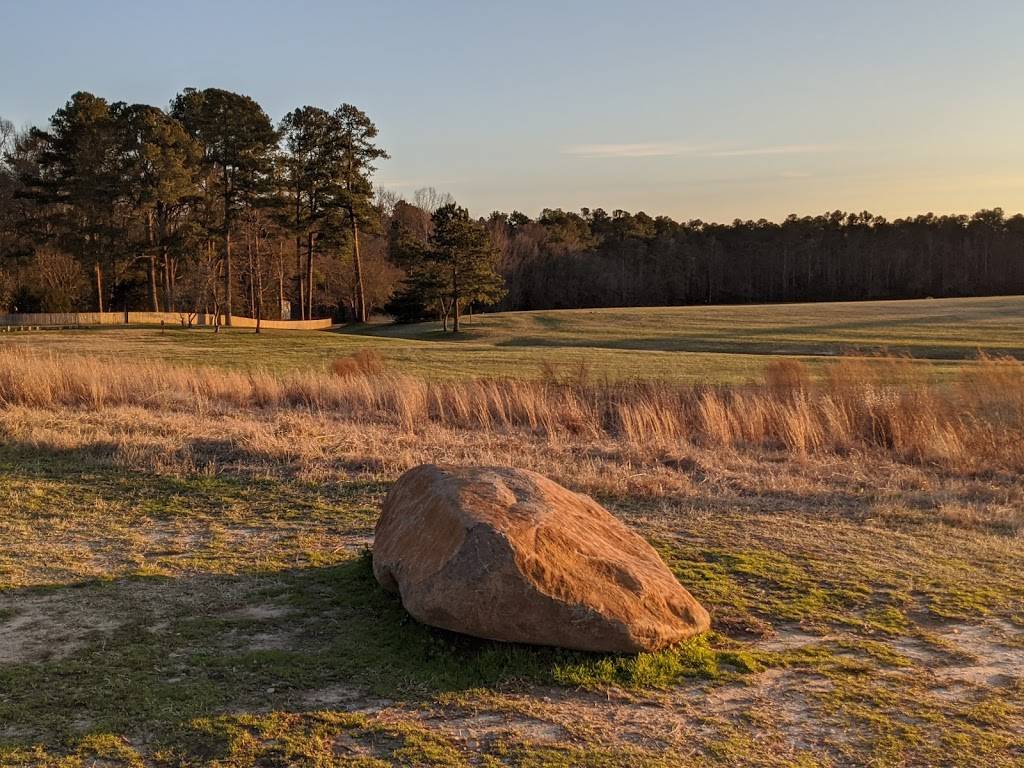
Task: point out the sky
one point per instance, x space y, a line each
710 110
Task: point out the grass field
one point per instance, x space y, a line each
722 344
183 577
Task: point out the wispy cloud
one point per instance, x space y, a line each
785 149
651 149
676 149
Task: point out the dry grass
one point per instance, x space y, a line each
882 405
364 362
208 524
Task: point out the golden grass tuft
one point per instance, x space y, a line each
365 362
786 379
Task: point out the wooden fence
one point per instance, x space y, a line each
77 319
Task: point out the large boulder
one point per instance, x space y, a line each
507 554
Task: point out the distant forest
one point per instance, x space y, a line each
595 259
208 205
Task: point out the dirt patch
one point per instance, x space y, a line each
995 662
783 703
778 706
41 628
270 641
475 730
959 657
258 612
788 638
343 697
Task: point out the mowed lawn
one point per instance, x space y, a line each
727 344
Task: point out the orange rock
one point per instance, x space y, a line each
507 554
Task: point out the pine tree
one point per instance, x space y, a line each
77 180
313 171
238 140
356 132
452 270
159 165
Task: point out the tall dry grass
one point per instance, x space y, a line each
883 404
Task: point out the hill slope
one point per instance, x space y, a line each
720 343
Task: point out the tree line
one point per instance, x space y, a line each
596 259
207 205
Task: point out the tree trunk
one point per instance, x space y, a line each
299 289
165 280
446 310
227 249
259 285
152 284
154 298
168 282
280 278
165 255
357 266
455 298
308 314
227 277
252 281
299 278
99 286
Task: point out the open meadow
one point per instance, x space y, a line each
185 520
727 344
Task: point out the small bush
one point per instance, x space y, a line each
365 362
786 379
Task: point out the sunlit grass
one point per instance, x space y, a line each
689 344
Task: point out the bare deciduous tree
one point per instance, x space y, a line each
58 280
429 199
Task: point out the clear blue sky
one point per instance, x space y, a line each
707 109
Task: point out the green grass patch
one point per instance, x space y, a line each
320 738
725 344
166 666
760 588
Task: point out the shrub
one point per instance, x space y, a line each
365 362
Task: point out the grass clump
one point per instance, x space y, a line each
363 362
700 657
